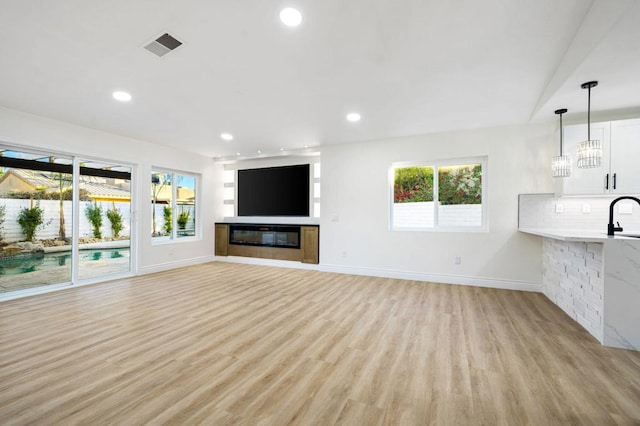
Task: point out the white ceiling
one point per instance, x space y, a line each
408 66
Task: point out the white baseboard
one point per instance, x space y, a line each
436 278
388 273
174 265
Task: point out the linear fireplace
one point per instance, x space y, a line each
300 243
265 235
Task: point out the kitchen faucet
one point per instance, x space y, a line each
611 229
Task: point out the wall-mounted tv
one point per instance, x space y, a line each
274 191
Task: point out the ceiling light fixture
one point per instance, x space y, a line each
226 136
290 17
353 117
122 96
561 164
589 151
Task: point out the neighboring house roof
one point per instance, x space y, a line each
102 192
98 191
32 178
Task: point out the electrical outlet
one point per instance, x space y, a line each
457 260
344 253
559 208
586 208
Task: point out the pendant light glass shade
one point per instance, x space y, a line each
561 164
589 151
589 154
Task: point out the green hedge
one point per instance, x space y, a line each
456 184
413 184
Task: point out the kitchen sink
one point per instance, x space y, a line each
628 235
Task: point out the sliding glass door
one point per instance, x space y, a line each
36 197
62 220
105 219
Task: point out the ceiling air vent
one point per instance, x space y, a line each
163 45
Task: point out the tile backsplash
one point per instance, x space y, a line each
547 211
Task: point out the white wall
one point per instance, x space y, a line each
26 130
354 229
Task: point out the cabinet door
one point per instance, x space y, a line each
310 244
625 154
222 239
587 181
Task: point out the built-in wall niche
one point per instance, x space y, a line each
252 176
229 193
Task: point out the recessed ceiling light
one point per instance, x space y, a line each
281 149
353 117
226 136
237 153
122 96
306 146
259 152
290 17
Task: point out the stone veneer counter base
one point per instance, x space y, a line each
596 281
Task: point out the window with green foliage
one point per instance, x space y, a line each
413 184
442 195
173 198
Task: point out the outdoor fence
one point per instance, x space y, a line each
420 215
160 222
12 232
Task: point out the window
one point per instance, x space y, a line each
445 195
173 199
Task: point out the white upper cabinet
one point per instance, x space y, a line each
619 172
625 156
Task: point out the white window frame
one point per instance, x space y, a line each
482 160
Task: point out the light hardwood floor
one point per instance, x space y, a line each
225 343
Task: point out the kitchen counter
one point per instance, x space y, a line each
578 235
595 279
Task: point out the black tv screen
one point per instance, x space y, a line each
274 191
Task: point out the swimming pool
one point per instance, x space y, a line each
24 264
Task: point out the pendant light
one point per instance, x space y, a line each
589 151
561 164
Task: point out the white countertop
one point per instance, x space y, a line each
577 235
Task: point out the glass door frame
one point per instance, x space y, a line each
75 280
133 225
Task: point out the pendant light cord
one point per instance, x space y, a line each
561 136
560 112
588 116
589 85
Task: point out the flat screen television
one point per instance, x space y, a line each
274 191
